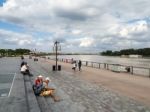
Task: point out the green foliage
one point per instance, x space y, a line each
22 51
144 52
10 52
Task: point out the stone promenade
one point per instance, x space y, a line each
79 95
76 94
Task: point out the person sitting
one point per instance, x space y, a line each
38 85
25 69
22 63
48 91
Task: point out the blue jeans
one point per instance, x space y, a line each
37 89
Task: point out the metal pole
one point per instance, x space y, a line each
132 70
149 73
56 53
107 66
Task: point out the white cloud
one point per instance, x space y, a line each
139 27
78 23
76 32
87 42
17 40
124 32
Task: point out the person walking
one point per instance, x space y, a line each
79 64
74 65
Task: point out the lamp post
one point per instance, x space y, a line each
56 48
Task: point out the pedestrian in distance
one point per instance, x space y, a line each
79 64
74 65
22 57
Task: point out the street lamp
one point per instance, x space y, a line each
56 48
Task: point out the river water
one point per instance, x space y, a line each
138 62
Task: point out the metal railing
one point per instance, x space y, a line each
142 71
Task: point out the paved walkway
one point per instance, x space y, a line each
136 87
77 94
80 95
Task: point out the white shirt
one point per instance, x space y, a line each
23 68
74 65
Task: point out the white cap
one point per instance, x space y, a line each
47 78
40 76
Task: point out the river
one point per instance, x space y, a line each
139 62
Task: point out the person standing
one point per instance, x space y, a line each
74 65
79 64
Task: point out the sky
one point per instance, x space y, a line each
88 26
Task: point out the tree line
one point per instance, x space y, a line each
16 52
143 51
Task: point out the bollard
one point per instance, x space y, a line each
54 68
59 67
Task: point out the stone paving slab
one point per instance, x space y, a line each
81 96
16 101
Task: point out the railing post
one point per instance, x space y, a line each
99 65
132 70
104 65
149 73
92 64
86 63
107 67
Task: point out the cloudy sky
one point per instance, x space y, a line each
79 25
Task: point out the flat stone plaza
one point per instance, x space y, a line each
76 94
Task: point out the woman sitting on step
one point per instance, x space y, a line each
38 85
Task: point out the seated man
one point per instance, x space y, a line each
22 63
25 69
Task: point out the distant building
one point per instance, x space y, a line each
124 56
135 56
131 56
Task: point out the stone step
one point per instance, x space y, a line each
33 105
41 101
16 101
43 104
